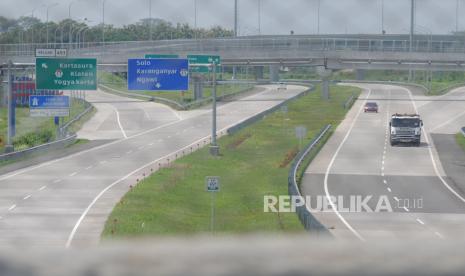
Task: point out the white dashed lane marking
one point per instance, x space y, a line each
420 221
12 207
42 188
27 197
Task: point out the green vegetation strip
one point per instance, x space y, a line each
461 140
34 131
118 83
254 162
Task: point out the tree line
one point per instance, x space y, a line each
33 30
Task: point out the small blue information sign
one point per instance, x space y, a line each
49 106
158 74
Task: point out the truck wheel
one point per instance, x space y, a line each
393 143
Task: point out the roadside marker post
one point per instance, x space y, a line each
300 133
213 187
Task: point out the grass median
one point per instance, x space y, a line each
254 163
118 83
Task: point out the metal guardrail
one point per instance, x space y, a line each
64 129
305 216
12 156
349 102
385 82
260 116
421 44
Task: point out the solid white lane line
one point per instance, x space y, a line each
119 123
331 163
86 211
42 188
56 181
420 221
73 174
12 207
27 197
406 209
435 166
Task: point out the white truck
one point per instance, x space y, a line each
405 128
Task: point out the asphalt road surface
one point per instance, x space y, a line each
65 202
359 161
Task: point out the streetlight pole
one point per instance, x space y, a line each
382 17
457 6
259 17
412 31
33 24
235 18
103 22
48 7
318 16
150 18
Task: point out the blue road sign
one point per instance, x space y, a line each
158 74
48 102
49 106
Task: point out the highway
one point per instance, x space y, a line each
359 161
65 202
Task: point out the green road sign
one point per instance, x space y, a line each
161 56
203 59
66 74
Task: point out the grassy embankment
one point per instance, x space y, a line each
440 81
33 131
119 83
254 162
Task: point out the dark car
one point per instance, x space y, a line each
371 107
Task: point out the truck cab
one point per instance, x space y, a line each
405 128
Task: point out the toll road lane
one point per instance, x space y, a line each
358 161
75 209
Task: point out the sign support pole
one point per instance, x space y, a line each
212 219
214 148
9 142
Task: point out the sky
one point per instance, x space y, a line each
277 16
